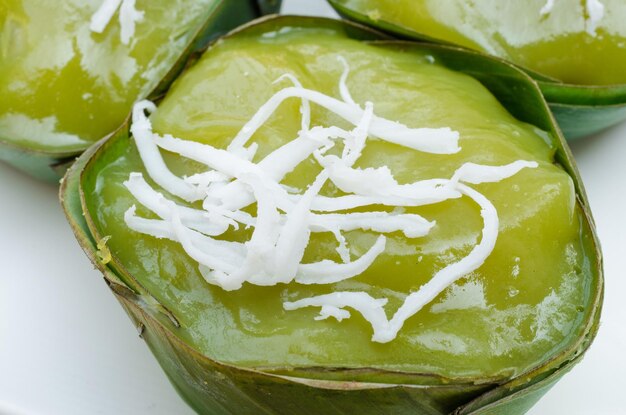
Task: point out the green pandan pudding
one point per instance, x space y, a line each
575 49
64 85
577 42
70 70
297 186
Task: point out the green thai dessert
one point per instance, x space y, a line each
575 49
71 70
316 221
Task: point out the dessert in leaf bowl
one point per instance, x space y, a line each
70 70
318 219
575 50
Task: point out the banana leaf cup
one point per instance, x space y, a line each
68 77
243 351
575 50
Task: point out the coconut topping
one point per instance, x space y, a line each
128 17
286 217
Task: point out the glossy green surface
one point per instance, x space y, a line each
522 307
63 86
555 45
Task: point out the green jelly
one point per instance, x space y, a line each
64 87
509 329
579 69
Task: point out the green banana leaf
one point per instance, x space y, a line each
50 164
213 387
580 110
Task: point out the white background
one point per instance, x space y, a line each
66 346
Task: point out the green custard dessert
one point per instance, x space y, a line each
317 220
70 70
576 49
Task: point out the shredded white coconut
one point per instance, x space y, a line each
285 218
431 140
128 17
